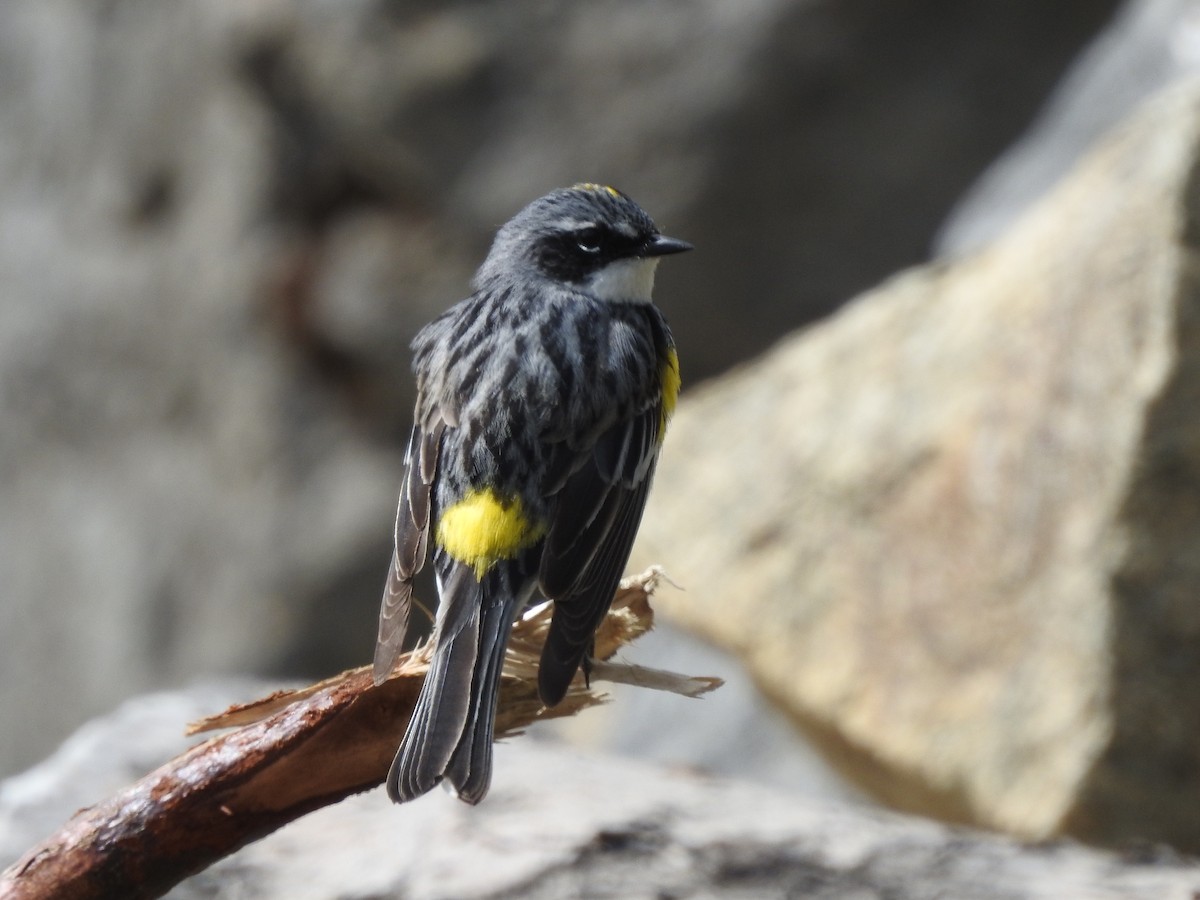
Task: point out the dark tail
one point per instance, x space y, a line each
450 734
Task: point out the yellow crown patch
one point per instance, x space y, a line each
597 188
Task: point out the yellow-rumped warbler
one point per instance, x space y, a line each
542 401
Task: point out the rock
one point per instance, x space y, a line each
560 823
224 221
461 115
1148 45
734 732
955 530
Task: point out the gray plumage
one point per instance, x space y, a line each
541 401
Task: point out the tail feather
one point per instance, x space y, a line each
438 721
470 769
451 731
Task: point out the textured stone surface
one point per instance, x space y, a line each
221 222
956 528
735 732
1149 45
560 823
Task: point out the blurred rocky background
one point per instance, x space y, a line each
951 531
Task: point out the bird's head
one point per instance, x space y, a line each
589 237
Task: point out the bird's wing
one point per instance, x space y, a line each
412 539
595 518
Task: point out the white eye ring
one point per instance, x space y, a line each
589 239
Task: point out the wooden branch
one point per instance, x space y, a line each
291 753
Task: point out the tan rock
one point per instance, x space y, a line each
955 530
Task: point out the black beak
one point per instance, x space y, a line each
665 246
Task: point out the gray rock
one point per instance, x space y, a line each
565 824
106 754
1148 45
735 732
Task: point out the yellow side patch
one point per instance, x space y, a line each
601 188
483 528
670 390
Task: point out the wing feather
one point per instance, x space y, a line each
411 544
584 512
595 520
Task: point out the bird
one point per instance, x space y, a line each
542 403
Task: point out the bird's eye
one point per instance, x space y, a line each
589 239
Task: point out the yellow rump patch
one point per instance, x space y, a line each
669 374
599 188
483 528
